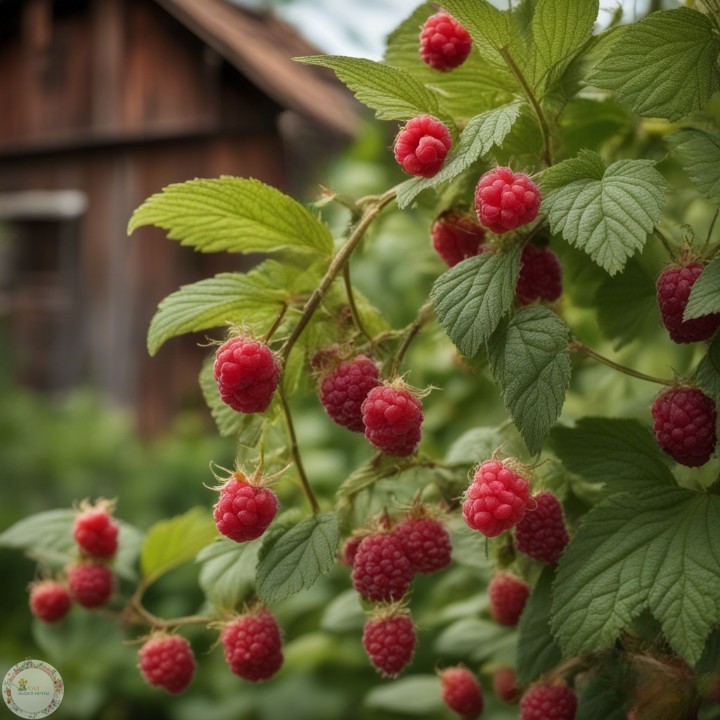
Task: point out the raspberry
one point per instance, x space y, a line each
540 275
393 420
253 645
444 42
91 584
508 595
505 685
96 532
389 640
684 425
167 661
342 391
548 702
457 237
49 601
247 374
673 291
244 510
461 692
422 145
350 550
381 570
541 534
496 499
426 544
505 200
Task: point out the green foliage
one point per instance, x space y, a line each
227 573
414 695
705 294
699 153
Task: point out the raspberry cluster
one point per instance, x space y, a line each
422 145
393 419
444 43
540 276
508 595
167 661
505 200
343 390
389 640
253 645
541 534
381 570
461 692
548 702
50 600
95 532
245 508
91 583
426 544
456 237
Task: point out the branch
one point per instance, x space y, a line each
585 350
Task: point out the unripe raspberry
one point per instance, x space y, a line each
253 645
393 420
541 534
496 499
505 685
456 237
381 571
422 145
461 692
444 42
343 390
684 421
244 509
548 702
49 600
167 661
426 543
673 291
91 584
540 276
508 595
505 200
389 640
96 532
247 374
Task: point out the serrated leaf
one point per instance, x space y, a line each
233 214
705 293
297 558
227 573
655 550
471 298
699 153
587 164
530 362
663 66
413 695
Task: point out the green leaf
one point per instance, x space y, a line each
663 66
708 373
413 695
474 638
172 542
587 164
233 214
705 293
294 560
699 153
603 697
344 614
471 298
653 550
530 362
227 574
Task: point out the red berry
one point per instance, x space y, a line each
96 533
505 685
505 200
167 661
253 645
91 584
389 640
426 544
343 390
49 601
422 145
541 534
684 420
508 595
381 571
247 374
461 692
393 420
350 550
444 42
548 702
540 275
244 510
496 499
673 291
457 237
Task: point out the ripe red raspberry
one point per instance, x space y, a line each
540 275
49 600
350 550
96 532
548 702
389 640
444 42
496 499
393 420
253 645
505 200
244 509
426 544
91 584
422 145
247 374
505 685
343 390
456 237
541 534
381 570
167 661
508 595
684 420
673 291
461 692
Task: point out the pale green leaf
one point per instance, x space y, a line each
475 638
413 695
227 572
699 153
344 614
587 164
705 293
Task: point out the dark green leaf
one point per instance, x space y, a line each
699 154
705 293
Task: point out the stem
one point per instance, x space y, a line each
353 307
277 322
585 350
411 333
136 608
665 241
711 228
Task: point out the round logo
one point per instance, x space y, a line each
33 689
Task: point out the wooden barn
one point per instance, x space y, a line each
102 103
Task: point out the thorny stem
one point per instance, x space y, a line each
277 322
353 307
665 241
585 350
423 316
